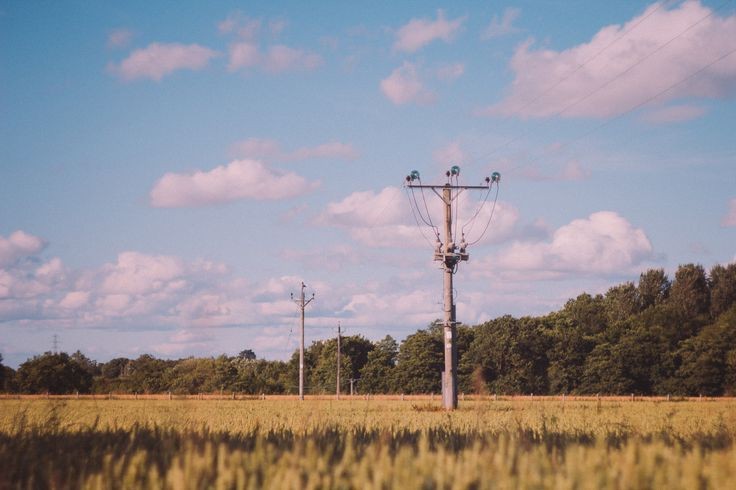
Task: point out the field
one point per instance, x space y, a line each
366 444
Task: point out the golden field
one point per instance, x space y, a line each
358 443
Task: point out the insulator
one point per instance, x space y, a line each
414 175
455 170
495 177
488 180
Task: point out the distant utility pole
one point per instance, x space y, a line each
338 360
302 304
55 344
450 255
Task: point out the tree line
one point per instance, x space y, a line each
658 336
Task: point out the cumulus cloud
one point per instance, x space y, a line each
240 179
404 86
270 150
158 60
503 26
17 245
417 33
568 82
384 219
730 218
603 243
276 59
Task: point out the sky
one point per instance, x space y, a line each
171 171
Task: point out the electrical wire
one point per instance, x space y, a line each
413 213
608 82
493 209
472 219
426 208
644 102
598 53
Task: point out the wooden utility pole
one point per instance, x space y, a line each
338 360
450 255
302 304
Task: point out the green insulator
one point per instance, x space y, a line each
414 175
455 170
495 177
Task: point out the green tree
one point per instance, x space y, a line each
147 374
722 289
377 375
620 303
705 357
420 362
690 294
510 355
53 373
653 288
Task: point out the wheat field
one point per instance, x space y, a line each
366 444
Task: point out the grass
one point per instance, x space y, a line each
366 444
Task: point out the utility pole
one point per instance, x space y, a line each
302 304
55 344
338 360
450 255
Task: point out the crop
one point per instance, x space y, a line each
366 444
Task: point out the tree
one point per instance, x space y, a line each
377 375
510 355
420 362
690 294
705 357
53 373
654 288
147 374
722 289
247 354
620 303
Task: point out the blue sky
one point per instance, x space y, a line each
170 172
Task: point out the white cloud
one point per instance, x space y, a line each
270 150
281 58
119 38
158 60
243 55
503 26
603 243
17 245
417 33
240 179
404 86
674 114
384 219
276 59
585 68
730 217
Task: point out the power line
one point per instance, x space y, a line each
635 107
606 83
